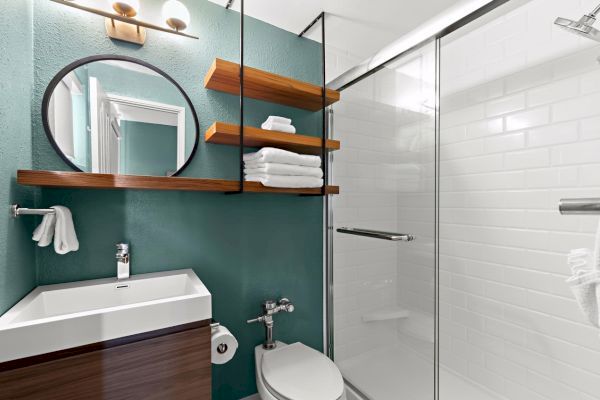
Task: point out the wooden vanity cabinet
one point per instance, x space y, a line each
172 363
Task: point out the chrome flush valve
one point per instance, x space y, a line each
271 308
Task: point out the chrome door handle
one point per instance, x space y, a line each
396 237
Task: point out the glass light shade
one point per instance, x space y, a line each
128 8
176 15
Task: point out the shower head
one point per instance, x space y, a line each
583 27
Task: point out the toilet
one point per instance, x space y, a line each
297 372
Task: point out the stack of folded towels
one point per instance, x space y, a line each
281 124
283 169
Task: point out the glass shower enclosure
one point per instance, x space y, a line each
451 274
384 219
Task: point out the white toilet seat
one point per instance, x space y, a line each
297 372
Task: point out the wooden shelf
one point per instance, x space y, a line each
108 181
224 76
229 134
84 180
257 187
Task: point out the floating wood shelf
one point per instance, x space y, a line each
224 133
84 180
224 76
257 187
108 181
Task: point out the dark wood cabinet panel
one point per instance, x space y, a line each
173 366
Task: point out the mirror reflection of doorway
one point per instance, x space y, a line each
120 117
133 136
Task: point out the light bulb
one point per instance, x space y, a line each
176 15
127 8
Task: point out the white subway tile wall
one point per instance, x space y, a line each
520 130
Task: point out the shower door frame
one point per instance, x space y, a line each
328 211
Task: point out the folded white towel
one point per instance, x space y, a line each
44 233
276 126
272 155
279 120
65 239
286 181
281 169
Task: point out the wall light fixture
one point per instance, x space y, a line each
122 25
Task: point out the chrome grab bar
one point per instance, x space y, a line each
579 206
396 237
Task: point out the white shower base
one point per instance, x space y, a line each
398 373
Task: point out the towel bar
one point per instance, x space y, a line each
396 237
579 206
16 210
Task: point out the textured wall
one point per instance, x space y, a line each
245 248
17 264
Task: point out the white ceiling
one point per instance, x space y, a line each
359 27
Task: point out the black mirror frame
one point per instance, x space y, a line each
87 60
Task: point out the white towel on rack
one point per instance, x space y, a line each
273 155
65 238
44 233
585 281
586 288
283 181
279 127
252 168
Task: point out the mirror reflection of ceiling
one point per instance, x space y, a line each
357 27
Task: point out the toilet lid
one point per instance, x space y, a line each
297 372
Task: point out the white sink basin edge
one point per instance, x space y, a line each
63 316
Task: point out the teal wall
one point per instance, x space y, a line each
148 149
17 263
245 248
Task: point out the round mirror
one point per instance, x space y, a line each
119 115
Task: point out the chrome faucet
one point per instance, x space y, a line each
123 260
271 308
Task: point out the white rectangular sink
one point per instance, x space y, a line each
58 317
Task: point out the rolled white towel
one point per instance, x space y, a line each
65 238
286 181
276 126
252 168
279 120
273 155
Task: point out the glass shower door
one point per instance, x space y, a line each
384 228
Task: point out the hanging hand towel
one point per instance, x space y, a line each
581 261
279 120
276 126
586 288
289 181
273 155
44 233
281 169
585 281
65 239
